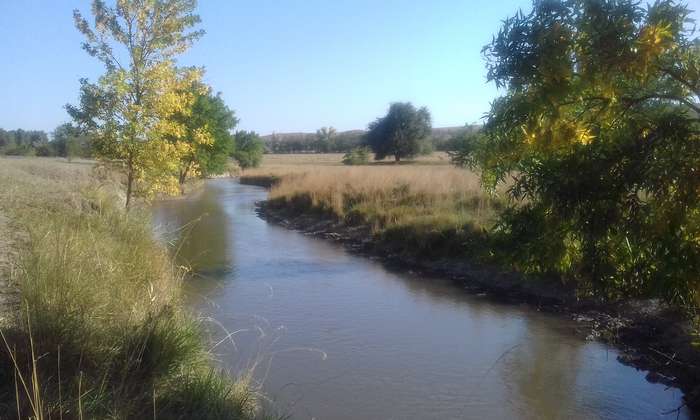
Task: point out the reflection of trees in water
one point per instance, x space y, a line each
540 374
451 292
198 232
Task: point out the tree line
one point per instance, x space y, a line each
325 140
244 147
65 141
328 140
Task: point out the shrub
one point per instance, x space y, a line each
357 156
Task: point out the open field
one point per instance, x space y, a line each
427 210
335 159
98 332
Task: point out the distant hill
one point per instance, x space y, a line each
344 140
437 132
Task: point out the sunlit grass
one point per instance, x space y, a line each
422 209
281 160
99 332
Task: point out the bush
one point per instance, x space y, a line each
357 156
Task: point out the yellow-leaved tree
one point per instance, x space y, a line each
598 138
128 110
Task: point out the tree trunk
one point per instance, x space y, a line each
129 183
397 158
182 178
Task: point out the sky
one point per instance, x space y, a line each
282 65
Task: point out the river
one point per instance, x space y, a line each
332 335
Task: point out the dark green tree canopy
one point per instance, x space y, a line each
211 111
210 117
249 149
400 132
69 141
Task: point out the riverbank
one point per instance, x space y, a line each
98 330
650 335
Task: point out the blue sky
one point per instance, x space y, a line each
285 65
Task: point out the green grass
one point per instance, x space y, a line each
99 332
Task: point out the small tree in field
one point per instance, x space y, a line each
400 132
325 139
249 149
128 110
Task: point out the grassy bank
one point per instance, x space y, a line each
98 331
424 210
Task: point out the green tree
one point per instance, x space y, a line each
69 142
464 149
249 149
207 142
400 132
325 139
128 111
600 134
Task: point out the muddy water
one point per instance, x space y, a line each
331 335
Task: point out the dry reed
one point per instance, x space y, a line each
431 209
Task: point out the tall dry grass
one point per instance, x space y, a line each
286 160
420 209
99 331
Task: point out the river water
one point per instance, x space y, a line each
332 335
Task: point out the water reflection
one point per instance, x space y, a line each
541 376
346 338
198 231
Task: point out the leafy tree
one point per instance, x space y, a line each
400 132
69 142
425 147
325 137
207 142
600 133
128 111
465 148
249 149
